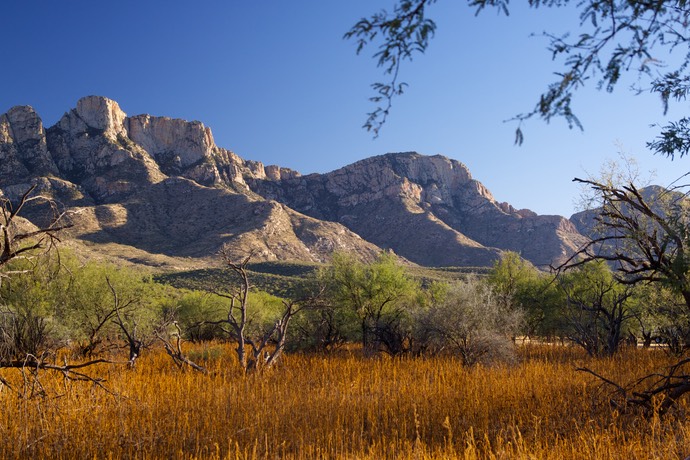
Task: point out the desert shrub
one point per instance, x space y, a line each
471 321
377 292
58 301
29 309
324 329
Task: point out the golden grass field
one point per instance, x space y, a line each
343 407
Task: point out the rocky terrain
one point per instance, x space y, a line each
428 209
155 189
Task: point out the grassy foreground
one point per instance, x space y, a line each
345 407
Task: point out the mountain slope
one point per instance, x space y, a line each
161 186
428 209
118 192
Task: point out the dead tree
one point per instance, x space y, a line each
654 394
646 241
94 339
21 244
174 350
128 326
263 349
643 241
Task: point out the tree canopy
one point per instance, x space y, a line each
615 37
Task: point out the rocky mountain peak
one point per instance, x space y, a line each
174 143
24 124
102 114
153 173
23 150
434 180
425 169
428 209
91 148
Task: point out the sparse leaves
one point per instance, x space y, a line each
616 37
402 33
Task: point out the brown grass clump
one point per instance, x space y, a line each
344 407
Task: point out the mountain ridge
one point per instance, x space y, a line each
163 186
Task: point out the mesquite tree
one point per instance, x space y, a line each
598 311
650 39
646 239
376 292
24 344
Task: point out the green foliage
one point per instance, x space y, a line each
367 288
282 279
291 279
72 302
194 310
599 310
535 292
266 309
614 38
376 292
324 329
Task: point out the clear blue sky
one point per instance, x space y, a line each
277 83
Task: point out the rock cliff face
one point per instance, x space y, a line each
427 209
23 150
162 186
157 186
90 147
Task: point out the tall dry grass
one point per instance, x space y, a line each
343 407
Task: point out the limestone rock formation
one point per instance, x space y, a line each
427 209
161 186
23 150
156 185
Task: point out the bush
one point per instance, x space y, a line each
471 321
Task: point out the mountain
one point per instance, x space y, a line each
158 190
150 186
428 209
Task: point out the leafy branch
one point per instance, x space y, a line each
404 32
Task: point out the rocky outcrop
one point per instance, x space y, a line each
157 186
162 185
187 149
100 114
23 150
176 145
90 147
427 209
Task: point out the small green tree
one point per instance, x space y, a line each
376 292
534 292
196 312
599 310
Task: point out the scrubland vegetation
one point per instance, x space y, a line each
355 360
344 406
385 368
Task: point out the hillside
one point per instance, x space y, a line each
159 191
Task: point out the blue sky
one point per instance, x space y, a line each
277 83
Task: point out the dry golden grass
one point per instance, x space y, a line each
343 407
